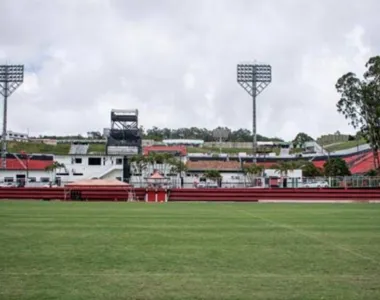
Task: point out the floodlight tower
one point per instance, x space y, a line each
254 78
220 134
11 77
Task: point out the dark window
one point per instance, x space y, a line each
32 179
118 178
78 174
78 160
62 174
8 179
94 161
45 179
119 161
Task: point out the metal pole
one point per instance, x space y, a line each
4 135
254 137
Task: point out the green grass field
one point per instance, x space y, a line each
57 250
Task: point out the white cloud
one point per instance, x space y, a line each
176 61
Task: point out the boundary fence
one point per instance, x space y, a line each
238 195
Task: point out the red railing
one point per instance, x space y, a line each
239 195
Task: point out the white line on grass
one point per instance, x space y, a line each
311 236
189 274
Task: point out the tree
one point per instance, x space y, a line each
177 166
360 103
53 168
160 161
301 138
284 167
336 167
372 173
213 175
253 171
310 170
139 164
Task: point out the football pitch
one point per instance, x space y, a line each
77 250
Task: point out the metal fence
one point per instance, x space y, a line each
315 182
260 182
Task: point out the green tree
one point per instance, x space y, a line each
284 167
253 171
336 167
52 169
139 164
301 138
310 170
360 103
372 173
213 175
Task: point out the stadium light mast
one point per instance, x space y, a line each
254 78
11 77
220 134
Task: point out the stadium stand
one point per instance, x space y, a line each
363 165
79 148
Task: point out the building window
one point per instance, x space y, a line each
8 179
118 178
62 174
119 161
94 161
78 174
32 179
78 160
44 179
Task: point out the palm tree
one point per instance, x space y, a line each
177 167
53 168
253 171
139 164
213 175
160 161
283 168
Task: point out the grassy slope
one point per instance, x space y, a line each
345 145
63 149
51 250
59 149
224 150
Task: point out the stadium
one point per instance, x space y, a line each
187 213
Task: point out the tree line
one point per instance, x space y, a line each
192 133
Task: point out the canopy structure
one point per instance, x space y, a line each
98 183
157 180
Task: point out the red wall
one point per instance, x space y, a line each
244 195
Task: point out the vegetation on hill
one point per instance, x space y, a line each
225 150
17 147
240 135
345 145
158 134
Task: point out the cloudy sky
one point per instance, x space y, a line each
175 60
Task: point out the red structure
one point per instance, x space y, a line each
31 164
218 195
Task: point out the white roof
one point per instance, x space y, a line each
182 141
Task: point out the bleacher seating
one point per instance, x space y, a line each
80 149
363 165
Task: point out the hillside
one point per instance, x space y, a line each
59 149
63 149
345 145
